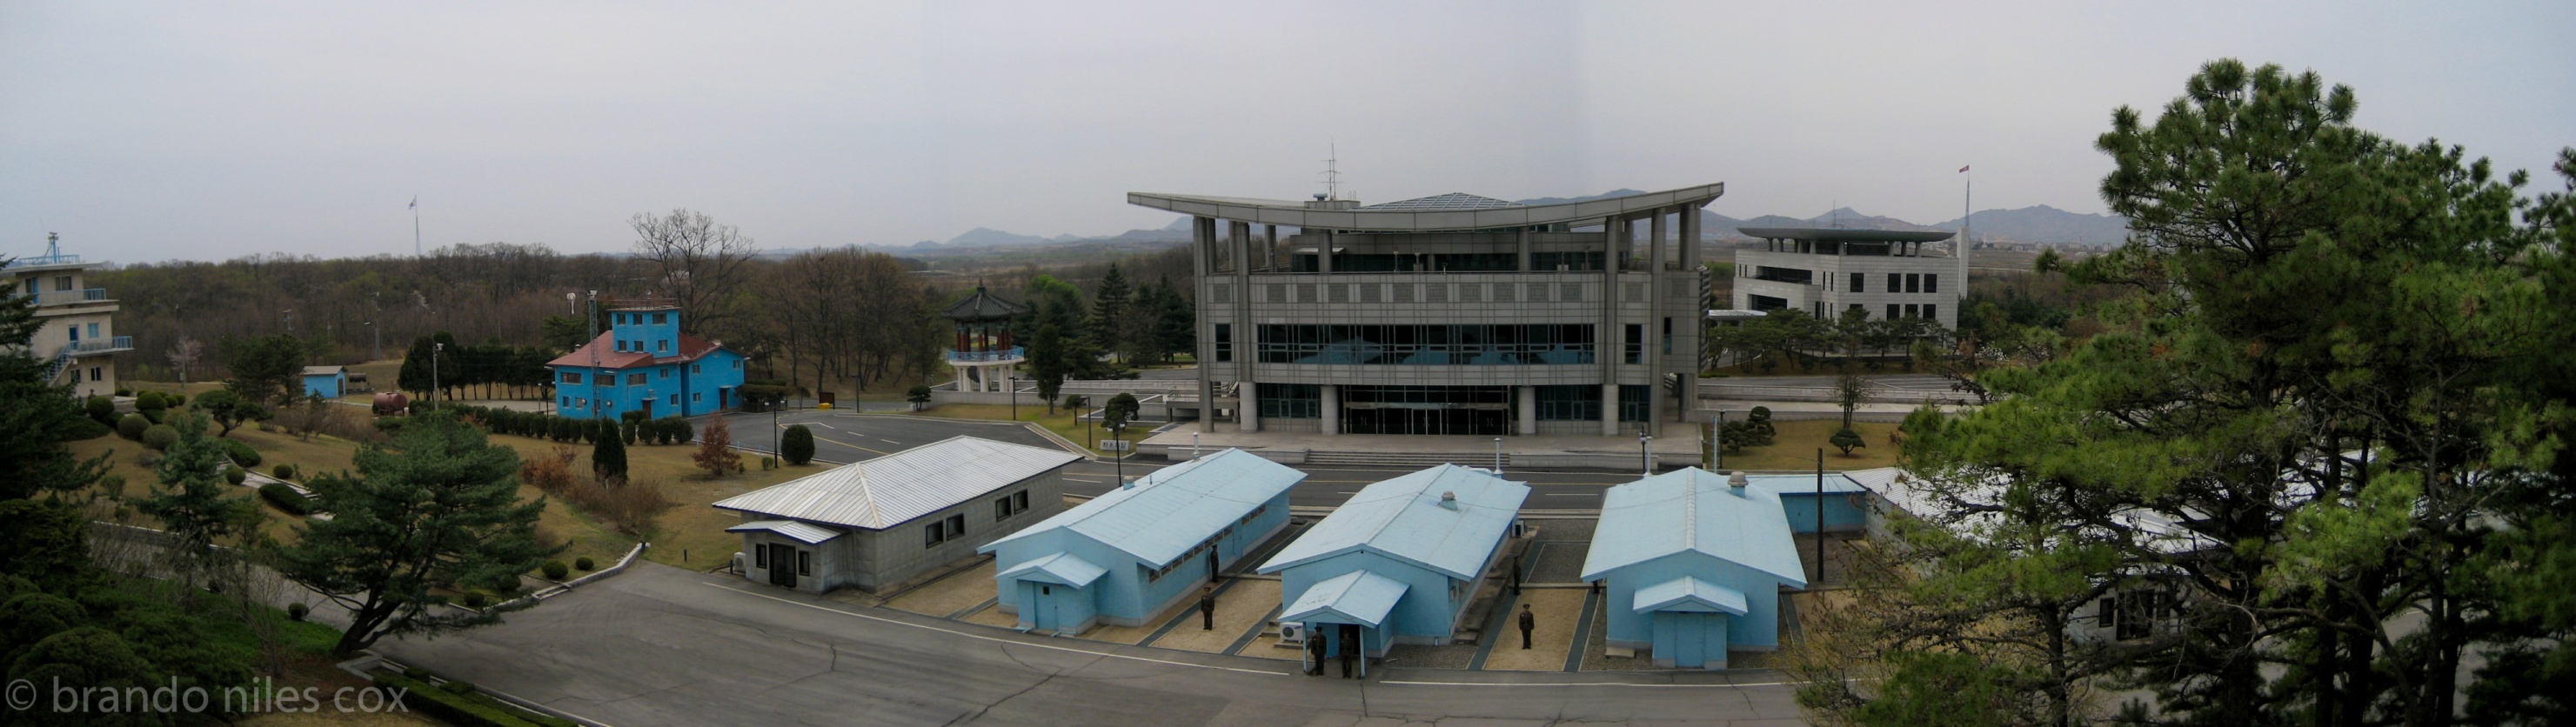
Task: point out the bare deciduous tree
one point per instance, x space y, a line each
183 355
698 262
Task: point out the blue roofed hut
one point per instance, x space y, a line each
1691 565
1400 561
1132 555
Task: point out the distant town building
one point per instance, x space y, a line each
1135 553
889 521
1451 314
1825 271
77 345
644 363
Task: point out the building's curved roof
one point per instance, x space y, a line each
1451 212
983 306
1837 234
1450 201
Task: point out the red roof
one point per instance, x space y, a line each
692 348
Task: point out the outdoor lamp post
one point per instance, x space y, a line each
433 373
1498 455
1646 453
774 406
1011 388
1717 440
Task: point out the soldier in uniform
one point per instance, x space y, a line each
1527 622
1207 608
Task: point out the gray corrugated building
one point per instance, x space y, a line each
885 521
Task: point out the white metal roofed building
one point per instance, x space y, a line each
1398 562
1691 564
1824 271
1449 314
1131 555
887 520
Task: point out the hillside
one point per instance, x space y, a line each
2043 223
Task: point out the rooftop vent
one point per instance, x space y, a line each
1449 499
1735 484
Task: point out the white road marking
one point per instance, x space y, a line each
892 442
981 637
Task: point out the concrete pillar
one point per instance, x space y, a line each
1203 247
961 380
1521 261
1525 402
1332 408
1247 410
1324 256
1690 322
1653 330
1605 341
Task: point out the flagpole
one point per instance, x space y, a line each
415 227
1967 214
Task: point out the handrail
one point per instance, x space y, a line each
45 260
1014 352
60 297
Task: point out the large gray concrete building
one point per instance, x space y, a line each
1825 271
1453 314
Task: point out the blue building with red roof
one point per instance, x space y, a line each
644 363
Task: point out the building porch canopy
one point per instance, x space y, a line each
1296 213
1358 597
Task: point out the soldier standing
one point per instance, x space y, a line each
1207 608
1527 622
1314 650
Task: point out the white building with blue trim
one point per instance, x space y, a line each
1691 567
1132 555
1400 561
1844 501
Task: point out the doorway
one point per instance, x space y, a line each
782 565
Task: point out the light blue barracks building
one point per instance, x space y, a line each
644 363
1129 556
1399 561
1692 563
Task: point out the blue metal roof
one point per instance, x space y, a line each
1358 597
1692 509
1836 483
1689 594
1174 509
1406 519
1060 568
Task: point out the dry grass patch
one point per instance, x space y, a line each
1794 447
687 532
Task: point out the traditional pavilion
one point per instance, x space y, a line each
984 355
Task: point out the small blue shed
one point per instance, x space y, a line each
1400 561
1845 501
1691 566
325 381
1136 552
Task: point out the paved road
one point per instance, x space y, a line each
658 645
1911 382
842 437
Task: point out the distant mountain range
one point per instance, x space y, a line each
2041 223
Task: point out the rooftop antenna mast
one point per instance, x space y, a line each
1333 173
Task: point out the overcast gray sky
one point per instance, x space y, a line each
212 130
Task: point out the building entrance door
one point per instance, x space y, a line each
782 565
1470 410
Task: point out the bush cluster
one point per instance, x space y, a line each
241 452
556 570
132 426
286 499
666 430
629 507
160 436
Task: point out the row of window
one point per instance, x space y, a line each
636 379
1473 262
624 345
804 559
1896 283
1008 505
1562 292
1544 343
940 531
581 402
637 319
1571 402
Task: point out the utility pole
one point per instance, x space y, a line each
593 344
1820 515
433 373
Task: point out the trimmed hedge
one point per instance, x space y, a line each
80 429
286 499
160 436
101 409
241 452
236 476
464 710
132 426
556 570
582 563
635 430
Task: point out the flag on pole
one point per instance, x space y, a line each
1961 169
415 201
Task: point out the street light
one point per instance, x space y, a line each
433 373
1498 455
774 436
1645 453
1011 388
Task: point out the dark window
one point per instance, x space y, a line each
1891 311
1895 282
1913 283
1636 343
1859 283
571 377
1289 401
1765 302
634 379
1224 342
932 534
1910 309
1001 509
658 318
1480 345
1931 282
1020 501
1634 400
1576 402
1928 309
760 555
1668 335
956 525
804 562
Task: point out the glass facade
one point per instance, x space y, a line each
1290 401
1427 345
1574 402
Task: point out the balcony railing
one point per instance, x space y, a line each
39 260
1008 354
66 297
100 345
